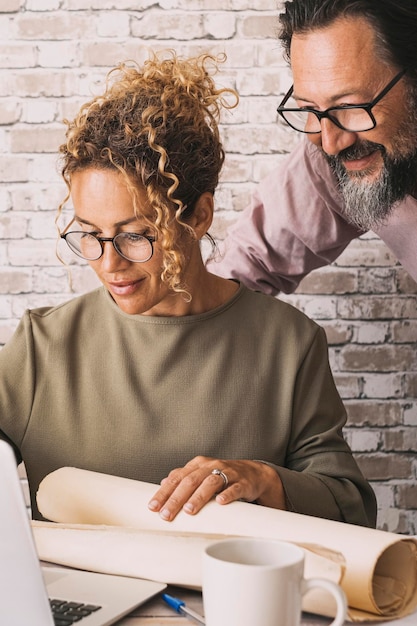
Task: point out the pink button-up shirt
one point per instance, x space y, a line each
295 224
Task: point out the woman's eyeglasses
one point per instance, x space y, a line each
133 247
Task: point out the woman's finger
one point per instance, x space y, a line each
179 485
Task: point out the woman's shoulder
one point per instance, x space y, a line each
68 309
267 308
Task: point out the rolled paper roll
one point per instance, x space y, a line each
376 569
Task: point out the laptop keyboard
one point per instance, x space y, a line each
68 613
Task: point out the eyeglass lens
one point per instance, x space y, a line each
131 246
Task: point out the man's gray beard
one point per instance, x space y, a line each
368 204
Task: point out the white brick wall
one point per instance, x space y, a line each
55 53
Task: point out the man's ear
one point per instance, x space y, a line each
202 217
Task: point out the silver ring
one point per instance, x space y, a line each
218 472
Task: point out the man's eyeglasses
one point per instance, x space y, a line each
133 247
351 117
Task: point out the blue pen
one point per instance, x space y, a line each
180 607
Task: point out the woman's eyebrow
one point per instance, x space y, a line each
117 224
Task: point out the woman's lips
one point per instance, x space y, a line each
125 287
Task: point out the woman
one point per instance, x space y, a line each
168 373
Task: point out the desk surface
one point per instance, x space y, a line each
157 613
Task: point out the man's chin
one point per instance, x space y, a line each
366 195
369 201
370 192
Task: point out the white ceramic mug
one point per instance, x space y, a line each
259 582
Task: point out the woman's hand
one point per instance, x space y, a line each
190 487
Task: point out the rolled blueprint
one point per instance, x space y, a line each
103 523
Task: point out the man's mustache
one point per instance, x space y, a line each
358 150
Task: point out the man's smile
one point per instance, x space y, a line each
359 165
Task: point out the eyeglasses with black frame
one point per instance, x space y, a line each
130 246
354 118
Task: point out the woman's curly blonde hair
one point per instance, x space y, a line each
158 126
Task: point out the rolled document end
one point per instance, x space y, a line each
394 581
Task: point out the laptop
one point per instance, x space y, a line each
29 589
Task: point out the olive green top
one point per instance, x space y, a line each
86 385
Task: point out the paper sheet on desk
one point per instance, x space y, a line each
104 523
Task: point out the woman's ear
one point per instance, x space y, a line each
202 217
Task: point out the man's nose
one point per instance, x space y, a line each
333 139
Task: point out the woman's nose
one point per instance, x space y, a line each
111 260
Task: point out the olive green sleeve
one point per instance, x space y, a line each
321 477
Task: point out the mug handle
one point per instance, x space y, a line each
336 591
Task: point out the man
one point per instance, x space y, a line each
354 97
